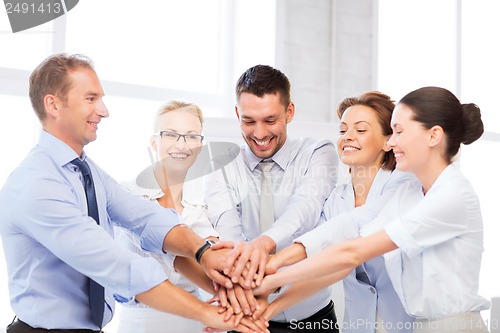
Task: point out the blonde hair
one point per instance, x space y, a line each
177 106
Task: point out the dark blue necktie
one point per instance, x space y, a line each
96 292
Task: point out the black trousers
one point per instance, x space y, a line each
19 326
322 321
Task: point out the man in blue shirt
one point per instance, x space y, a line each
54 250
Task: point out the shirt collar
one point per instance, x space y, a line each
57 149
153 191
380 180
281 158
150 193
344 189
450 172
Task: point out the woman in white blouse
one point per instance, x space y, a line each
177 143
433 238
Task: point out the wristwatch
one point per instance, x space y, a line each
208 244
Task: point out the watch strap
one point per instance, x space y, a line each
208 244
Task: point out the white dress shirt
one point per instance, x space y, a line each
303 176
367 289
436 269
344 222
138 317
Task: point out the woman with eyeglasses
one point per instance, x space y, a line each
176 143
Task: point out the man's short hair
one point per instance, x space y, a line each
51 77
262 79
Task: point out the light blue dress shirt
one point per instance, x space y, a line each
52 246
303 176
368 288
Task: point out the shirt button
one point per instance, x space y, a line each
373 290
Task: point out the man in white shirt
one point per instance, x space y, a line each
287 179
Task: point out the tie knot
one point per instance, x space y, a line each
266 166
82 165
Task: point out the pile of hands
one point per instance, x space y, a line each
239 271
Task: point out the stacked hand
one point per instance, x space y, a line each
238 271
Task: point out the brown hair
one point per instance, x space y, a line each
383 107
51 77
433 106
262 79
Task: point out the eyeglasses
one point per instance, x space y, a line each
174 137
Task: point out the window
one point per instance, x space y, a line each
167 44
145 53
38 41
417 45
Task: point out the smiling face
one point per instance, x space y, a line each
75 119
178 155
409 141
361 141
263 122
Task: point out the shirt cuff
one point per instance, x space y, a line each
168 259
276 234
145 273
311 243
153 236
329 233
403 239
206 232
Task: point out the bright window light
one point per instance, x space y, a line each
167 44
417 45
39 39
145 54
480 58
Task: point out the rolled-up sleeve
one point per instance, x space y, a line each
140 282
403 239
148 220
63 231
331 232
437 218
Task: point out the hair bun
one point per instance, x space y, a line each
473 125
